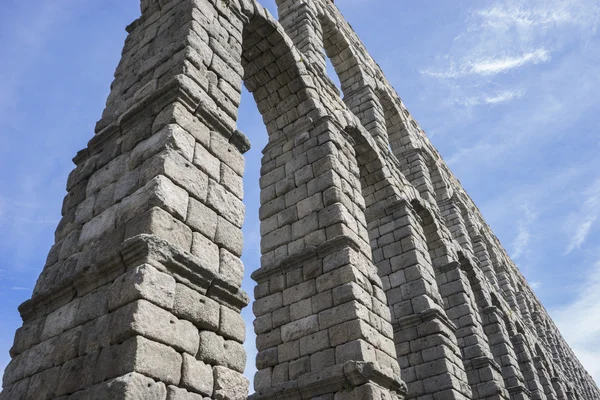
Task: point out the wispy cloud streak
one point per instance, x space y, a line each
581 222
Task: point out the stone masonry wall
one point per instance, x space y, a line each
379 278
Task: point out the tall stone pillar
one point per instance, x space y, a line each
426 344
140 296
503 351
322 323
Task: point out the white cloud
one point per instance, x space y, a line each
499 65
491 66
509 37
535 285
497 98
580 223
505 96
521 242
578 322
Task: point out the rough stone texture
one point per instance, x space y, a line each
379 278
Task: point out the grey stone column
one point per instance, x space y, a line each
485 260
483 373
140 296
299 19
323 327
365 104
425 337
503 351
414 166
544 378
454 221
508 290
559 388
528 368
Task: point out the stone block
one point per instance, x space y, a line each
268 339
313 343
144 318
159 192
175 393
215 350
27 336
322 359
207 163
288 351
93 305
229 236
197 376
197 308
202 219
263 379
231 268
95 335
230 385
99 225
226 203
299 367
267 304
342 313
60 320
301 309
158 222
65 346
143 282
77 374
18 391
232 325
132 386
227 153
302 327
181 171
357 350
44 385
299 292
232 181
206 251
141 355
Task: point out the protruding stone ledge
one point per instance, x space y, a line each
143 249
412 321
337 378
179 88
480 362
308 254
519 390
185 267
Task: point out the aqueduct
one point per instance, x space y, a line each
379 278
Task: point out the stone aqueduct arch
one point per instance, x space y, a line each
379 278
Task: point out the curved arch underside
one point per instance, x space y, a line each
379 278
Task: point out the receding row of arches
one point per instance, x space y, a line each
439 264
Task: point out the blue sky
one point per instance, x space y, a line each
507 90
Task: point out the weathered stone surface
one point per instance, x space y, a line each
132 386
141 355
231 267
197 376
232 325
199 309
160 223
144 318
215 350
175 393
230 385
379 278
144 282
